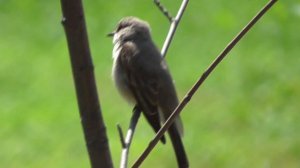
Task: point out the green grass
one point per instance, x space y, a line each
245 115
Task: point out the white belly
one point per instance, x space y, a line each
120 77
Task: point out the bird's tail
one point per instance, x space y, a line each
175 137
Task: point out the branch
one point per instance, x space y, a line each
192 91
83 74
163 10
127 142
121 136
174 23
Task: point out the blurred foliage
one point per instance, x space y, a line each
245 115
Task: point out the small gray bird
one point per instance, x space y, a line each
142 77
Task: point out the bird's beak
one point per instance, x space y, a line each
111 34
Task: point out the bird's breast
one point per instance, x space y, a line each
120 76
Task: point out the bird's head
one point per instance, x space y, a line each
131 29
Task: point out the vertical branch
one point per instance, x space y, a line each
196 86
83 74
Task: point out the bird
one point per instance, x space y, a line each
142 77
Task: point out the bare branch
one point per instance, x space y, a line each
192 91
173 27
83 74
163 10
121 136
133 122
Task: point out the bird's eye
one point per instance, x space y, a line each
121 26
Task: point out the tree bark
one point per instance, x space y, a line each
83 74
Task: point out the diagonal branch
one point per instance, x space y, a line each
163 10
84 79
121 136
127 142
173 27
192 91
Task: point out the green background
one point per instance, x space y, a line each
245 115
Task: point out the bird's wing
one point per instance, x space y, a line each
143 84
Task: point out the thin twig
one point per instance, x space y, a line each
173 27
121 136
189 95
163 10
125 151
84 79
